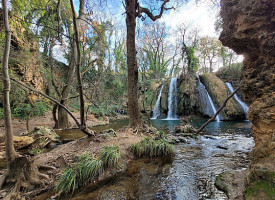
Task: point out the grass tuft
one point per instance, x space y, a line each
110 155
79 175
153 148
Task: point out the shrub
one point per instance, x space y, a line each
110 155
22 111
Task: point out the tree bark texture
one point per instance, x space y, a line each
134 112
76 23
63 120
10 151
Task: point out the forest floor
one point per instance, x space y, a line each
64 155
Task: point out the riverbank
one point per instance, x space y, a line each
63 156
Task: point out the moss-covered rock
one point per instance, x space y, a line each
219 92
43 136
187 94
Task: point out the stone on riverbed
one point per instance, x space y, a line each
188 128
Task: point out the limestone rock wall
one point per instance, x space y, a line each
249 29
24 56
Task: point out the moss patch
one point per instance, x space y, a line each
260 188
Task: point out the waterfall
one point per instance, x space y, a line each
172 100
209 108
242 104
156 112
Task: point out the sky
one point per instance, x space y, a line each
198 15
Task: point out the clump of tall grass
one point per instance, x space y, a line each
153 148
80 174
110 155
87 169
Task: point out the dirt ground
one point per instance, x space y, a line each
63 155
19 126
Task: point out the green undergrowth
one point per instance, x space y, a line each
260 187
87 169
153 148
110 156
23 110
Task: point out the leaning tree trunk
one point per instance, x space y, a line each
63 119
134 112
10 151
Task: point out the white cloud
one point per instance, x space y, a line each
198 16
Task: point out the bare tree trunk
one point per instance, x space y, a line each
76 23
134 112
63 120
218 111
11 154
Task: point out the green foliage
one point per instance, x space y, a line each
258 187
1 113
153 148
35 151
80 174
22 111
193 61
231 72
110 155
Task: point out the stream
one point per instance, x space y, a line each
192 174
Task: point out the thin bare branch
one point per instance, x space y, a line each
219 110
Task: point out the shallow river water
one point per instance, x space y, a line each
192 174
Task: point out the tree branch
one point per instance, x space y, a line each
83 129
150 14
88 66
223 105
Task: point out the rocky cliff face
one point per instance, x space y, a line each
24 56
249 29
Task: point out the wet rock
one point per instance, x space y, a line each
220 184
189 135
188 128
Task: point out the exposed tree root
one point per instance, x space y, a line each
23 173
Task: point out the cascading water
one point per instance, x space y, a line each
242 104
156 112
209 108
172 100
